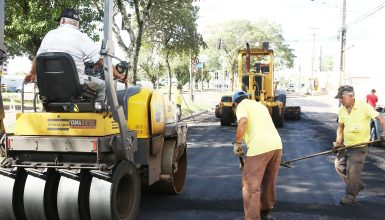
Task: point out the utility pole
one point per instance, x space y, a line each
191 80
313 56
223 72
2 25
2 60
320 59
311 80
343 45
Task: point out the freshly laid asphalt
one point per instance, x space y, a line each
309 190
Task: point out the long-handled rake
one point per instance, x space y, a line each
288 162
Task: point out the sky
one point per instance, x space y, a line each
314 25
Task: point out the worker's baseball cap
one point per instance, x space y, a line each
237 95
68 13
343 90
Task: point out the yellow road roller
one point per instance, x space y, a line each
84 159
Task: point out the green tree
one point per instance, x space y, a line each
27 22
234 34
181 66
151 65
174 31
206 77
134 15
202 76
136 25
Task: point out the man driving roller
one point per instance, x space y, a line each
69 39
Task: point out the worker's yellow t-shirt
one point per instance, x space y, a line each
261 135
178 98
357 123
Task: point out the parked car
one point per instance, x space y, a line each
3 87
219 85
165 81
375 128
12 83
145 84
291 88
28 88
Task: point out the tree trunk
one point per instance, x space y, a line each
141 21
232 71
232 78
135 58
169 76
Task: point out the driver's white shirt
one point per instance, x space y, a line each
67 38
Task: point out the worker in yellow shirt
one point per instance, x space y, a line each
264 151
178 101
353 128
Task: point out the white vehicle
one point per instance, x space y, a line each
375 128
165 81
291 88
12 83
145 84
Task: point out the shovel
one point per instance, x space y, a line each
242 163
287 163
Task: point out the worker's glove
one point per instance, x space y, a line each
337 146
237 149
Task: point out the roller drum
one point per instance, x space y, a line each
67 199
118 198
6 195
34 198
11 195
40 194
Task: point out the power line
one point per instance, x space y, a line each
370 13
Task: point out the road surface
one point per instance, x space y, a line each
309 190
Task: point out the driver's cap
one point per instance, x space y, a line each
68 13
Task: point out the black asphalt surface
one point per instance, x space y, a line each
310 190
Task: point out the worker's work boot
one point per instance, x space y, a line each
267 215
348 200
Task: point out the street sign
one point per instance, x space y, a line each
199 65
195 60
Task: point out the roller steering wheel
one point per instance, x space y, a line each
122 67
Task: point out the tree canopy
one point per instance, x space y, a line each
174 31
135 25
225 39
27 22
235 33
168 28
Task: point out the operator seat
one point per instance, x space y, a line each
59 86
257 84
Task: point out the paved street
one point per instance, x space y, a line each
309 190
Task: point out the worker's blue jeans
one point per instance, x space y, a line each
349 164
